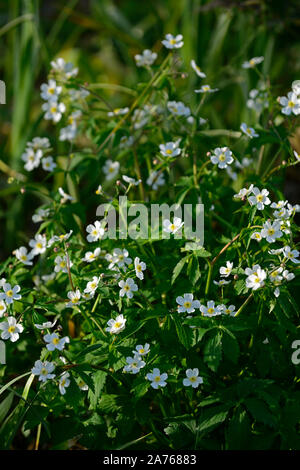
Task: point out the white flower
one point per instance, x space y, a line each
139 118
173 42
139 267
170 149
146 58
157 379
11 329
290 104
249 64
229 310
95 231
54 110
292 255
129 180
127 287
244 192
45 325
119 257
64 382
296 87
222 156
142 350
134 364
50 91
54 342
117 325
178 108
65 197
249 131
2 308
118 112
253 270
211 310
260 198
92 285
111 169
275 275
60 238
39 143
61 264
226 271
255 281
172 227
48 164
38 244
23 255
221 282
31 158
66 68
193 378
91 256
197 69
10 293
155 179
74 298
126 142
187 304
68 133
43 370
288 276
40 215
271 231
206 89
256 236
258 100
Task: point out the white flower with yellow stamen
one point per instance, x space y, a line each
206 89
74 298
260 198
118 112
225 271
256 280
178 108
145 59
134 364
256 236
10 293
128 287
290 104
43 370
23 255
111 169
31 158
139 266
91 256
95 231
250 64
170 149
38 244
222 157
157 379
2 308
211 310
142 350
291 255
50 91
172 227
92 286
64 382
61 264
53 110
187 303
117 325
55 342
197 69
271 231
173 42
193 379
249 131
11 329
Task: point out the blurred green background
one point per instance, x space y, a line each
101 37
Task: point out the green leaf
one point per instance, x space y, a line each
5 406
193 270
178 268
260 411
99 378
213 351
212 417
183 332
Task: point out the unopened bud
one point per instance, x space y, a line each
208 154
22 190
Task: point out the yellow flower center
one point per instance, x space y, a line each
118 324
39 245
9 293
271 231
53 109
222 157
291 104
55 340
157 378
44 371
173 41
259 198
210 310
193 379
187 304
63 264
169 151
11 329
141 351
